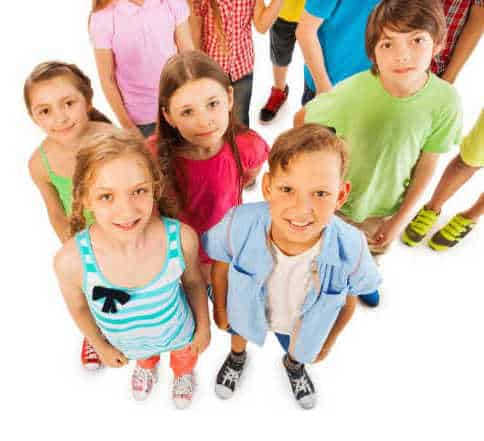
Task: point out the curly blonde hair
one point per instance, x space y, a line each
97 151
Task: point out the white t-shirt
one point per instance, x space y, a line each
287 287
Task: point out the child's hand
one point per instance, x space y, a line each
112 357
220 318
200 341
386 233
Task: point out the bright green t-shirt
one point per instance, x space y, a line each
386 135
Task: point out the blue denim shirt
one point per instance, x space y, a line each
344 266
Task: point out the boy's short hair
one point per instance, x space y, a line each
307 139
404 16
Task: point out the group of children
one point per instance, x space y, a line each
151 215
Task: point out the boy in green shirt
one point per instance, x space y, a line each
397 118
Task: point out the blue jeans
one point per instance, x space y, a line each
308 94
147 129
242 96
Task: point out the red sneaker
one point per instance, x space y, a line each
274 103
89 357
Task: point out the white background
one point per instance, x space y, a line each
412 368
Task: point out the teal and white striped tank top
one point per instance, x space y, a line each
145 321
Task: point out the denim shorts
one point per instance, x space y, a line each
283 39
283 339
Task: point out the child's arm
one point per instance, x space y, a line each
55 211
68 269
194 286
307 37
183 37
220 283
195 22
105 68
264 16
424 169
299 117
344 317
471 33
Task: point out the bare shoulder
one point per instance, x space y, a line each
37 169
67 263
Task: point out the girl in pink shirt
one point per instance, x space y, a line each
132 40
207 155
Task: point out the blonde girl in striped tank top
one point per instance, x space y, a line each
58 97
132 281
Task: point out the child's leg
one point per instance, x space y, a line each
456 174
148 363
301 384
238 344
242 96
183 361
476 211
280 76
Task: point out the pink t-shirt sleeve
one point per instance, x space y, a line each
253 150
180 10
101 29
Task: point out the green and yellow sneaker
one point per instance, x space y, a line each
419 227
452 233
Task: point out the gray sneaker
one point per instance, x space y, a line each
301 385
228 376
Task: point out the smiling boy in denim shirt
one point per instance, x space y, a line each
288 265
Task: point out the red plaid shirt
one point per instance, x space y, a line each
237 60
456 13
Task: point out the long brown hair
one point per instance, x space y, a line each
97 151
54 69
179 70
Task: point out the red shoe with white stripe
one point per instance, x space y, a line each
89 357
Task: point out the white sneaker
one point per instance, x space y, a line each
183 390
142 382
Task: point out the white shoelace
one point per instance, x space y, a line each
183 385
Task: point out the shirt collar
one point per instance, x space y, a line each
330 250
132 8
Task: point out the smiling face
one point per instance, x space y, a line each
59 109
121 195
303 198
404 57
200 111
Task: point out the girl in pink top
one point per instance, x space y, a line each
132 40
208 156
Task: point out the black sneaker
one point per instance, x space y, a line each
301 385
274 103
229 376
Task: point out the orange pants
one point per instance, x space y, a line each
182 361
